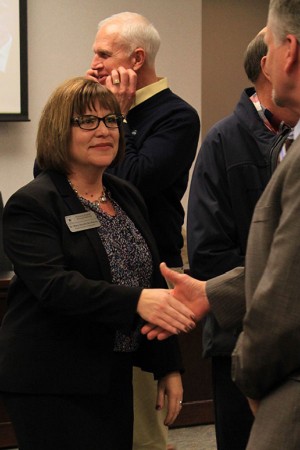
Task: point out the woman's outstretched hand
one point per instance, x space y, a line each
160 308
190 293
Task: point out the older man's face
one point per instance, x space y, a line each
274 66
282 64
109 54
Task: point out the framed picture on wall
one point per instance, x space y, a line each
13 61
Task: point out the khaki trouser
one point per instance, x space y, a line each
149 431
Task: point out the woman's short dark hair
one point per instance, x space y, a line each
73 97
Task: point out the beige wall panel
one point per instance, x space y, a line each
228 26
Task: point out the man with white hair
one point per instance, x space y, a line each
161 133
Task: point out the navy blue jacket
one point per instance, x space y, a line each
232 169
161 141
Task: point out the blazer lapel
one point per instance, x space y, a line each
75 207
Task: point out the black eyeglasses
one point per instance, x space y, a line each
92 122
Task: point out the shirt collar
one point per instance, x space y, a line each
148 91
268 118
297 130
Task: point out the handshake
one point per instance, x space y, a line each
173 311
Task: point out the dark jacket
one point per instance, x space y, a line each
232 170
161 141
58 333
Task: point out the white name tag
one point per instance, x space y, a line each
82 221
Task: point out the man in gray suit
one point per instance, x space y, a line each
266 360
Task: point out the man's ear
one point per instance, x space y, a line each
138 58
263 68
292 52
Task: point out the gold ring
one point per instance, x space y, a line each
116 81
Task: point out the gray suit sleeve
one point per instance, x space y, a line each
226 295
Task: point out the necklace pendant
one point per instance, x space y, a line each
103 198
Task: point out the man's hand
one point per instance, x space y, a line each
189 291
122 83
92 75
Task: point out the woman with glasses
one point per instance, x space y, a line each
86 265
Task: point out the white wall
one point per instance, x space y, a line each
60 37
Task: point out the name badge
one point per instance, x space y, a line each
82 221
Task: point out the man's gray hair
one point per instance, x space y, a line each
255 51
135 31
284 18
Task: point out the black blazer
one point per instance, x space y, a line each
58 333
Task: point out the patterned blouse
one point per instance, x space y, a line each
129 258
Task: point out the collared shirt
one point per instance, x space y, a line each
297 130
273 124
148 91
268 118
